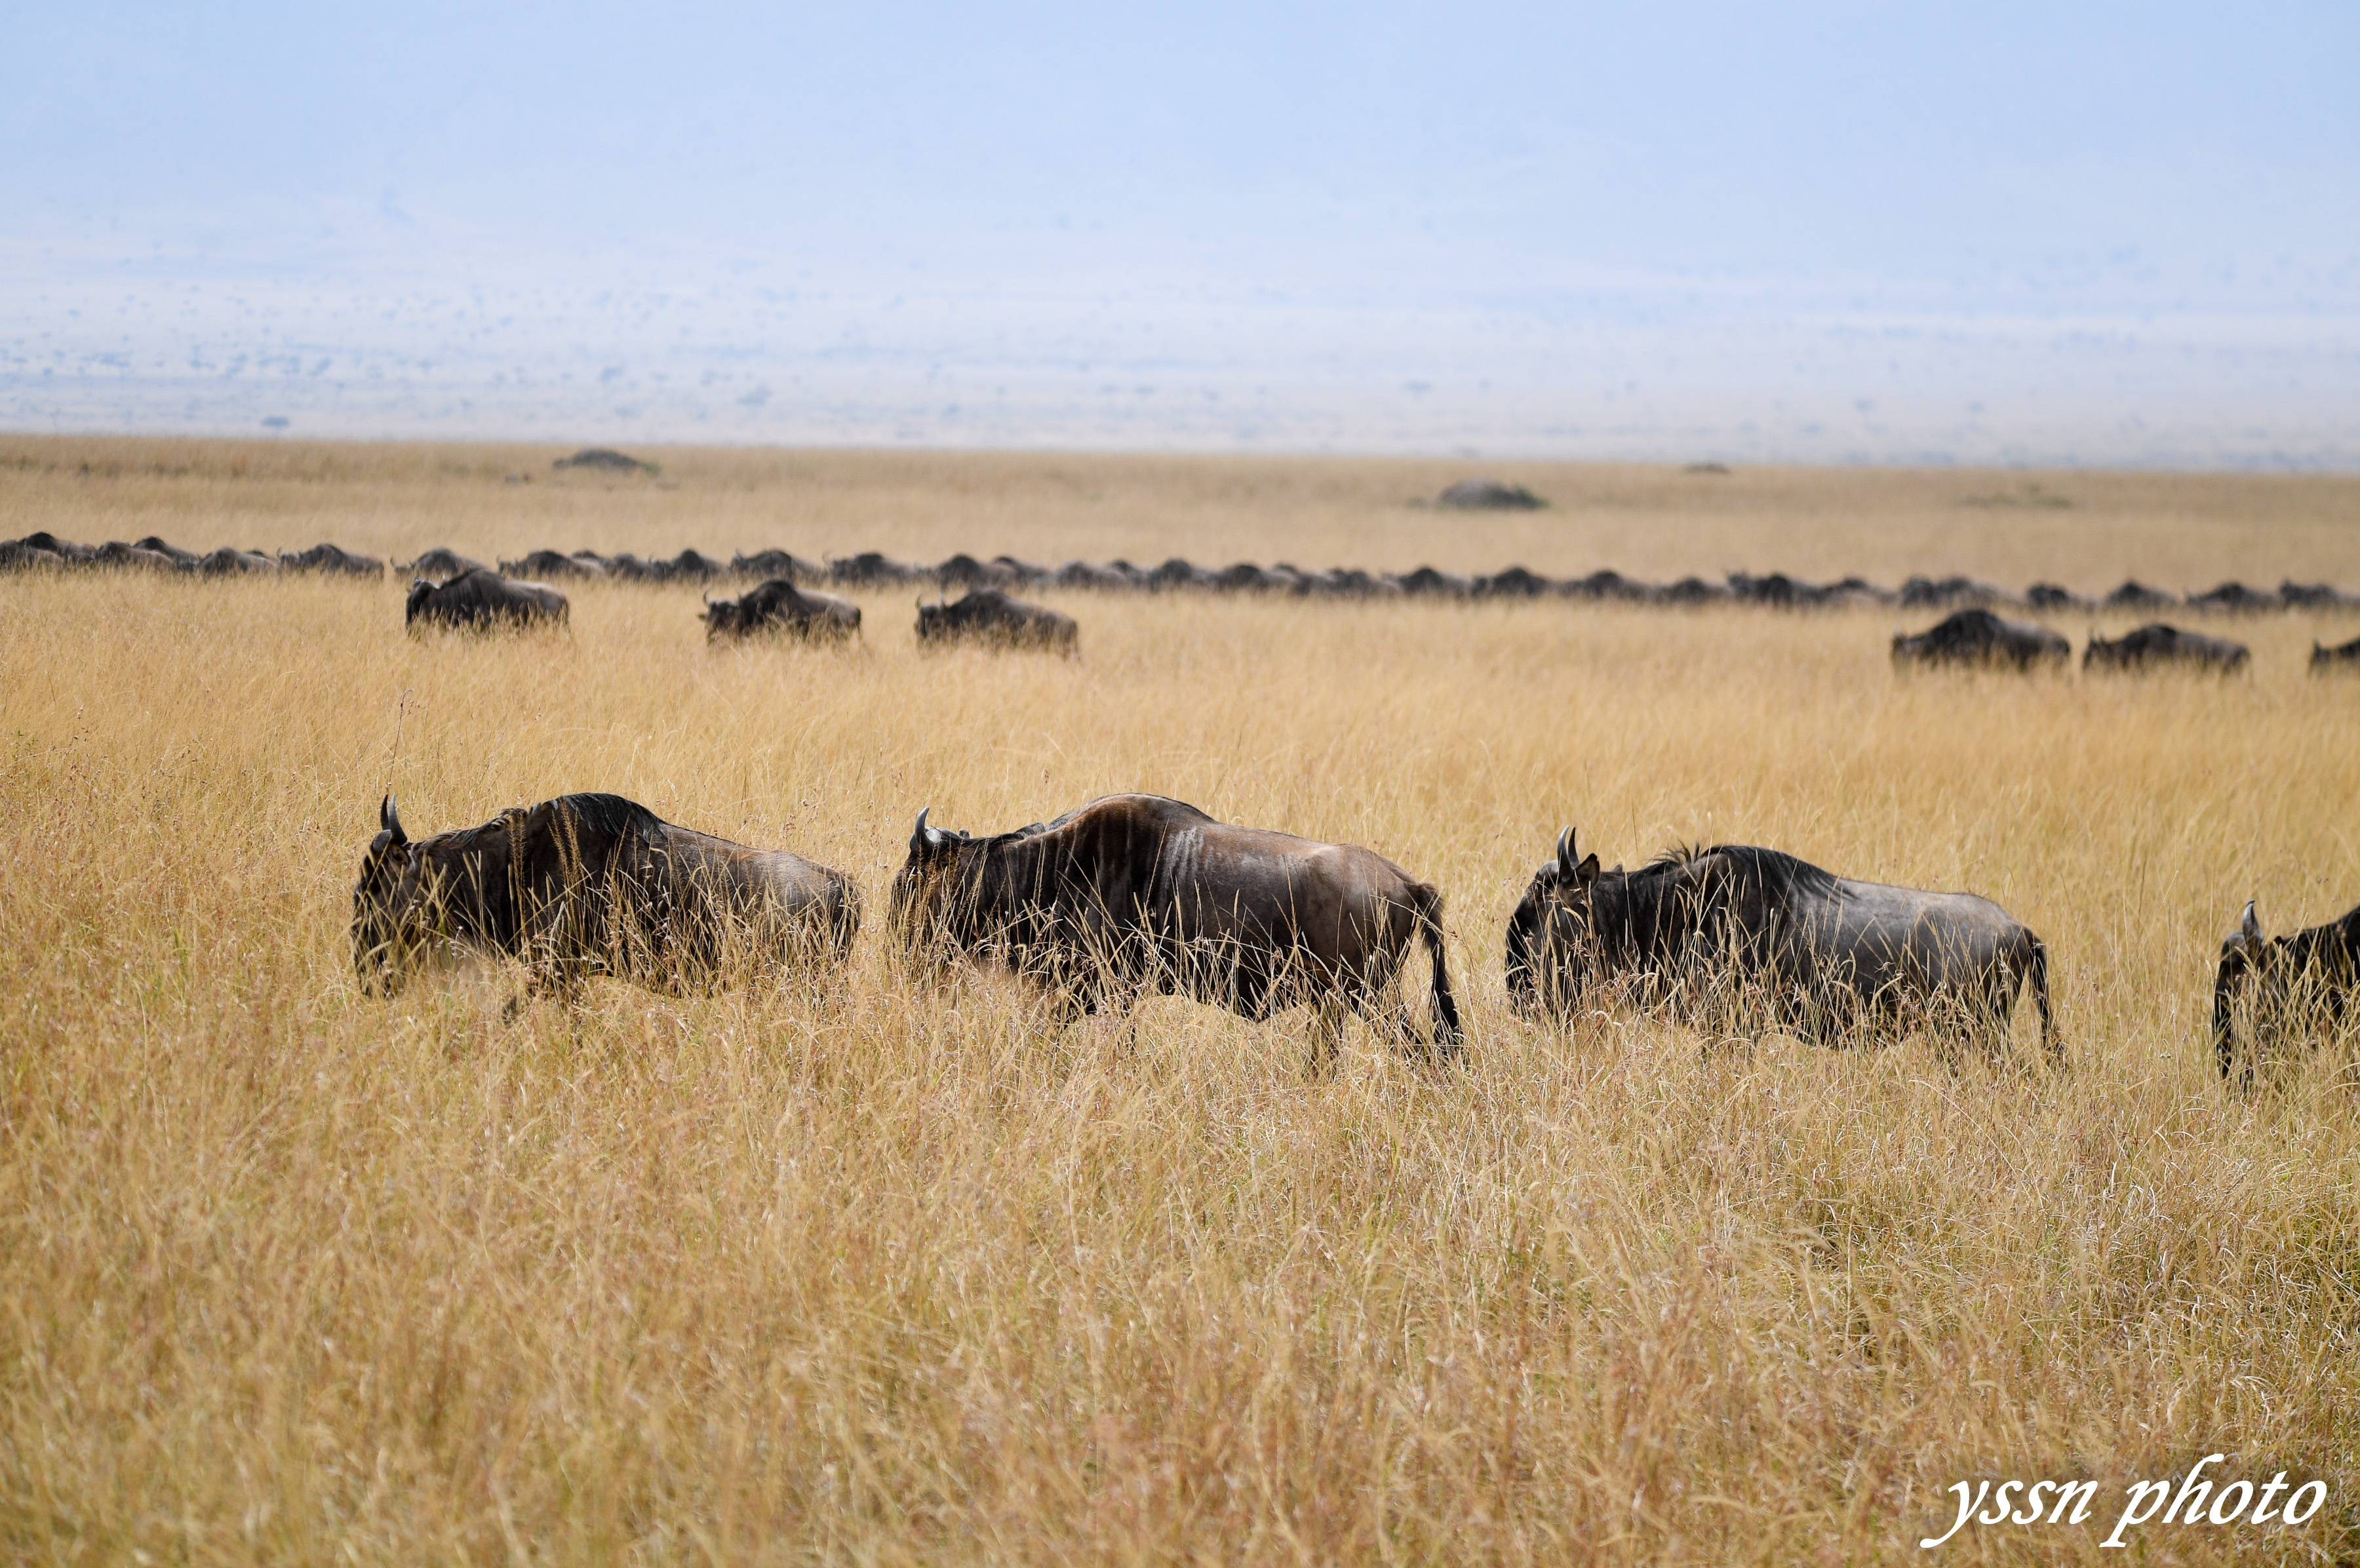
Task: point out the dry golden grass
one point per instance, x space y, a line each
288 1274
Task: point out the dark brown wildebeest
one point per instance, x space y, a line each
1822 954
482 599
231 561
1134 893
2299 986
988 615
442 562
328 557
778 605
1979 637
548 563
115 553
2344 656
2155 645
588 884
187 558
765 564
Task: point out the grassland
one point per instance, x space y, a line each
291 1275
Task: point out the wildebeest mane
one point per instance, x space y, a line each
490 870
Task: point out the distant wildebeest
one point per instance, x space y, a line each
1979 637
115 553
1428 583
330 559
588 884
2344 656
2135 595
2297 595
780 606
1086 574
988 615
2235 598
963 570
2155 645
482 599
1821 953
1515 583
549 564
442 562
2297 985
871 569
2054 596
1136 893
229 561
1946 593
188 559
765 564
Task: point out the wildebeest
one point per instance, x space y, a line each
115 553
586 885
2298 985
442 562
2344 656
329 558
765 564
963 570
1978 636
2234 598
780 606
230 562
482 599
871 569
1823 953
1134 893
989 615
548 563
2135 595
2157 644
1428 583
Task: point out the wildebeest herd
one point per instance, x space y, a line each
1131 893
790 596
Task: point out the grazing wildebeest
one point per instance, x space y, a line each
482 599
2054 596
231 561
187 558
585 885
2344 656
2301 985
763 565
989 615
1084 574
324 557
780 606
1825 954
1946 593
1978 636
2155 645
1132 893
963 570
115 553
2234 598
2135 595
548 563
1428 582
442 562
871 569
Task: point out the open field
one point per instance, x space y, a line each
892 1274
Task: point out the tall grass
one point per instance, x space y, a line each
896 1274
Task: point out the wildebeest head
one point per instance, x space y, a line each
927 890
1552 938
720 616
387 904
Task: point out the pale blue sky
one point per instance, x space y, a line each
1878 233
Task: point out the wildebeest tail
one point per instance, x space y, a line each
1448 1035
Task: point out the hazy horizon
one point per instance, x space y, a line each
2120 238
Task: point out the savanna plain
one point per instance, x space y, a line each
900 1272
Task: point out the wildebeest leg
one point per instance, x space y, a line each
1327 1036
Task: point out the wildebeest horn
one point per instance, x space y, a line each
390 821
926 837
1565 853
2250 927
